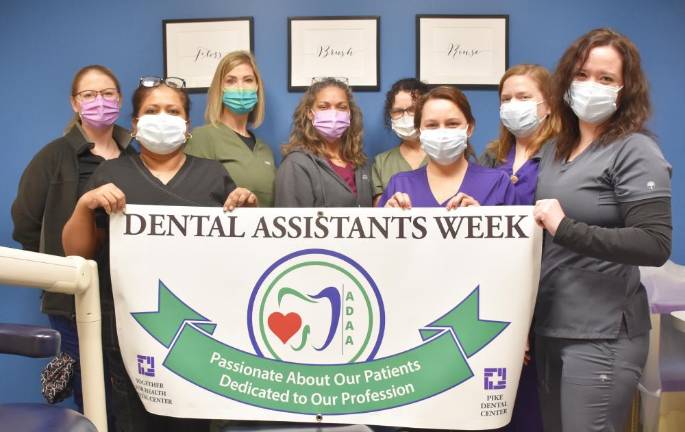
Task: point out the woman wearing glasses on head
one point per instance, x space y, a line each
161 175
324 163
56 177
400 103
234 101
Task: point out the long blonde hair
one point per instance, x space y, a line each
303 135
215 104
499 148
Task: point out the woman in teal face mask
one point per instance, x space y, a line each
234 100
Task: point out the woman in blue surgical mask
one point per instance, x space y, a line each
527 124
235 100
604 200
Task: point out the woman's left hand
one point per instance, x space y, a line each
462 200
548 214
240 197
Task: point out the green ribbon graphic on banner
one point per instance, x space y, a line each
419 373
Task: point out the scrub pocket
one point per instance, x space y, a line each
582 302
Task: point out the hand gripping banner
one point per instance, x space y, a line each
371 316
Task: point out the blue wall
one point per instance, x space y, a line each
42 44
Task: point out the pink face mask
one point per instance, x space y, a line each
331 123
99 113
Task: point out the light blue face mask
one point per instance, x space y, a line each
240 101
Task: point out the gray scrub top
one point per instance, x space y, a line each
580 296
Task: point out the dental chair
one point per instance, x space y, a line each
70 275
37 342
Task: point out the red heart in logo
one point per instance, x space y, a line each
284 326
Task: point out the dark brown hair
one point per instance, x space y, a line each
455 96
633 104
77 80
304 135
412 86
499 148
143 92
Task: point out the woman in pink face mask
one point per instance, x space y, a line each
324 163
56 177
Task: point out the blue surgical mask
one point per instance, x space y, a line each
240 101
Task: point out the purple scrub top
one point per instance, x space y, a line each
526 177
488 186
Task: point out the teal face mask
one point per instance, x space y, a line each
240 101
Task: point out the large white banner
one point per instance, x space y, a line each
412 318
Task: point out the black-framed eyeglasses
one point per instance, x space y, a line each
110 94
400 112
154 81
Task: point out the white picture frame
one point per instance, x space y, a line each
470 51
194 47
341 47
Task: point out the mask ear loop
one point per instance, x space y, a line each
544 117
133 131
188 134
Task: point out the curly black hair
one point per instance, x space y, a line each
411 85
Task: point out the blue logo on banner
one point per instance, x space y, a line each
495 378
146 365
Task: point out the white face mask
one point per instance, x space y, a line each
443 145
592 102
520 117
404 127
161 133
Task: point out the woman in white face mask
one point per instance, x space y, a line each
527 123
400 105
163 175
444 120
604 200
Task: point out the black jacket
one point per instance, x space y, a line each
47 195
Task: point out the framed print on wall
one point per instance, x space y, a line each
470 51
194 47
347 48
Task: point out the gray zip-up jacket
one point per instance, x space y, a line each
306 180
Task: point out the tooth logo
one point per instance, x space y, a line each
316 306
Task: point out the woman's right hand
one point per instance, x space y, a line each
108 196
399 200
